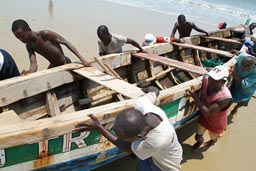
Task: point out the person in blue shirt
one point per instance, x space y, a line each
8 67
244 75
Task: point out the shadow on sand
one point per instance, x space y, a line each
189 130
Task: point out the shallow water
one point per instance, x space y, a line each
233 12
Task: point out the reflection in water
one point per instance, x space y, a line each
50 8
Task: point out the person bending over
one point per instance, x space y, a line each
185 28
144 131
112 43
213 103
244 75
46 43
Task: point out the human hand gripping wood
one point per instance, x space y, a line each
190 92
24 72
91 125
86 63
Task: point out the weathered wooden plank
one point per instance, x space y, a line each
173 63
34 131
9 117
52 106
115 84
222 39
14 89
219 52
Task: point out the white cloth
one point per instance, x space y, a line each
161 143
1 61
115 46
253 37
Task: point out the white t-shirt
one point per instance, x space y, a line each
161 143
1 61
115 46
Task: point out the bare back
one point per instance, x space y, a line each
47 44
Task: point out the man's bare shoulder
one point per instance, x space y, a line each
47 34
191 24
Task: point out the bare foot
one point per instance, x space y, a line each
210 143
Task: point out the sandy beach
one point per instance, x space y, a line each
79 23
233 152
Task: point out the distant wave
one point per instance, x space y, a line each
202 10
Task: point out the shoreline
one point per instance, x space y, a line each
80 27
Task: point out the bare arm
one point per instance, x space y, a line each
135 44
207 110
232 71
95 125
56 37
32 59
198 29
174 30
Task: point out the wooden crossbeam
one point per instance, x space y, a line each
52 103
172 62
219 52
9 117
222 39
34 131
115 84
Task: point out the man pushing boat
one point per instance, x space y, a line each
45 42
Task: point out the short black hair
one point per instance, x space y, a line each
20 24
252 26
182 18
130 122
102 29
248 62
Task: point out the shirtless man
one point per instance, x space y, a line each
185 28
46 43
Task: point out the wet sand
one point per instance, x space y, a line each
78 20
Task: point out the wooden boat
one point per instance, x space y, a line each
39 111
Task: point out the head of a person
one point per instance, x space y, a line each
217 77
21 30
129 124
150 39
222 25
104 34
181 19
248 63
252 26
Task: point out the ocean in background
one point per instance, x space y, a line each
233 12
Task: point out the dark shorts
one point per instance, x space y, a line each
147 165
9 68
66 61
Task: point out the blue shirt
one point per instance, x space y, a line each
245 90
